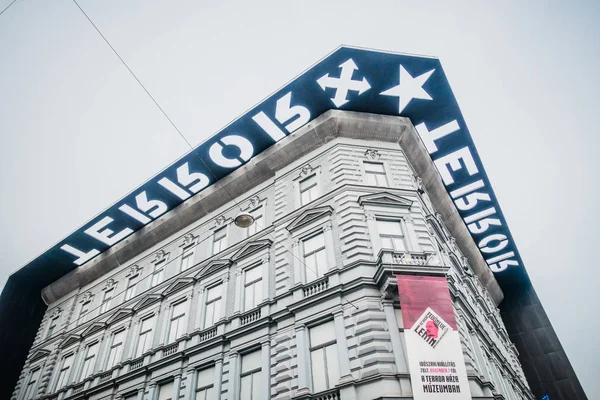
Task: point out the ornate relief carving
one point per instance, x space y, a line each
372 154
87 296
253 202
160 256
306 170
189 240
56 313
110 284
134 270
220 220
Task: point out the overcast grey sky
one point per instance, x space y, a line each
77 132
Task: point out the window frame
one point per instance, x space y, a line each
375 174
187 258
112 347
131 290
304 255
323 346
83 316
207 302
222 241
149 332
257 282
256 227
180 318
403 234
106 302
250 373
207 394
87 357
51 327
32 386
313 190
159 271
59 371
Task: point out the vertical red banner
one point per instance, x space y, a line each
417 293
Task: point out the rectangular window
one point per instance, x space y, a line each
187 259
63 374
165 391
375 174
253 287
309 190
390 233
213 306
106 300
32 384
315 257
116 350
205 384
157 276
83 313
51 328
145 341
258 224
131 287
250 376
219 240
178 321
88 362
324 357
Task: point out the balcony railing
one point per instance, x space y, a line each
105 376
172 349
316 286
332 395
250 317
136 364
78 388
208 334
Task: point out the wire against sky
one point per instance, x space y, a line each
7 7
179 132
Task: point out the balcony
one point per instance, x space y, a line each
315 287
391 263
250 317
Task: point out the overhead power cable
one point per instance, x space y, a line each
7 7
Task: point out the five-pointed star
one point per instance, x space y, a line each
409 88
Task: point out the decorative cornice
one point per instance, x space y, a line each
160 257
251 248
385 199
308 216
189 240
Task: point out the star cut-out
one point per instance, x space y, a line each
409 88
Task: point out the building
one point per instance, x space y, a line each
305 303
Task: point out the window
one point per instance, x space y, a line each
220 240
375 174
165 391
390 233
157 276
83 313
106 300
51 328
145 341
315 257
32 384
250 376
324 357
178 321
258 224
187 259
205 383
131 287
63 372
252 287
89 360
116 350
213 306
309 189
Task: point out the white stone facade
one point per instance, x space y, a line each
245 306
